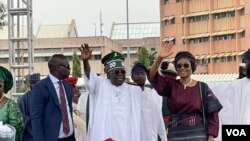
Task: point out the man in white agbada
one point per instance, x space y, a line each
114 106
152 123
236 107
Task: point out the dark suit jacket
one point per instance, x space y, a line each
45 110
23 104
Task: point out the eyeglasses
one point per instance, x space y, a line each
184 65
119 72
65 66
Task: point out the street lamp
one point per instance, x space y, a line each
128 48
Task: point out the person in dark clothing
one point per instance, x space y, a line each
23 104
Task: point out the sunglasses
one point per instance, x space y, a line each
65 66
182 65
119 72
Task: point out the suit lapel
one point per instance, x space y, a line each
53 93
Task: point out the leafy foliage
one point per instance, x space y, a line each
145 57
76 65
2 13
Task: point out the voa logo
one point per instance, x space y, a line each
236 132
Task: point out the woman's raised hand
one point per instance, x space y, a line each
166 50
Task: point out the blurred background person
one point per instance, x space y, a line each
242 70
75 89
23 104
79 122
152 123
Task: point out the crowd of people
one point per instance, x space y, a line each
183 109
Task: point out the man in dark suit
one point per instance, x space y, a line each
51 104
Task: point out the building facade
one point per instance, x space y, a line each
46 47
52 39
141 34
215 31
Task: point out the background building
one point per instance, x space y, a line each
215 31
140 34
61 38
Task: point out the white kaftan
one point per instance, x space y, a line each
115 112
152 123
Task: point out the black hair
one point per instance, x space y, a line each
53 61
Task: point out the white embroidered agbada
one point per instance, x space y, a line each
152 123
236 105
114 112
219 89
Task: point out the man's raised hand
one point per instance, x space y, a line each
86 52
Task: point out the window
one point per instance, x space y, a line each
95 57
206 39
198 40
38 50
223 59
174 41
4 60
172 21
166 1
46 59
242 11
192 19
224 37
229 58
204 17
216 60
206 61
152 49
231 14
46 50
242 34
224 15
199 18
57 50
169 22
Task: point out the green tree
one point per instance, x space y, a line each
2 13
152 58
76 65
144 56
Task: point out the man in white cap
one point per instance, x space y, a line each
114 106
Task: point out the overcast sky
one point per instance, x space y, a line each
86 13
